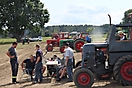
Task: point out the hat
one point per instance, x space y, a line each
120 32
66 44
55 55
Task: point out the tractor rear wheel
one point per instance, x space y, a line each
83 78
49 48
123 70
62 49
78 44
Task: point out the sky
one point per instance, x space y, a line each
81 12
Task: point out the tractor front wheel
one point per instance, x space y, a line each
123 70
83 78
62 49
49 48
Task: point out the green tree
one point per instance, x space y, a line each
19 15
89 29
126 19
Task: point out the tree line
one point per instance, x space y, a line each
49 30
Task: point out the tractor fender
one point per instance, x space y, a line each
79 39
78 63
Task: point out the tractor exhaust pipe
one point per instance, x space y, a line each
109 19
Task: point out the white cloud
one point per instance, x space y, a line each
82 14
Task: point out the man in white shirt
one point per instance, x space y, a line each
69 61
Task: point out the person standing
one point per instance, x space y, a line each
69 61
38 65
88 39
13 61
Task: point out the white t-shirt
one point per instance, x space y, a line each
69 53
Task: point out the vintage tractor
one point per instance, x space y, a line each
105 60
54 42
58 40
75 44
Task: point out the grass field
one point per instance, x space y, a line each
7 40
45 38
10 40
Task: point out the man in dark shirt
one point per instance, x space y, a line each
38 64
13 61
30 64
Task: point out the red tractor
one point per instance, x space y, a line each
54 42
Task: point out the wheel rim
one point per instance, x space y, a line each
83 79
49 48
79 44
126 71
62 49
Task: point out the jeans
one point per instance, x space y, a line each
69 69
30 72
38 72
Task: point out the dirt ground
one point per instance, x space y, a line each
25 51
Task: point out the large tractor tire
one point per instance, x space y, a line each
122 71
78 44
79 67
83 78
49 48
62 49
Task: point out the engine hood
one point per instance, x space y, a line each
99 45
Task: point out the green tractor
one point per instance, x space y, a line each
74 44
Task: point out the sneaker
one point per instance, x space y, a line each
13 82
40 82
58 79
69 81
34 82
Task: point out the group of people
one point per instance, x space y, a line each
35 65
